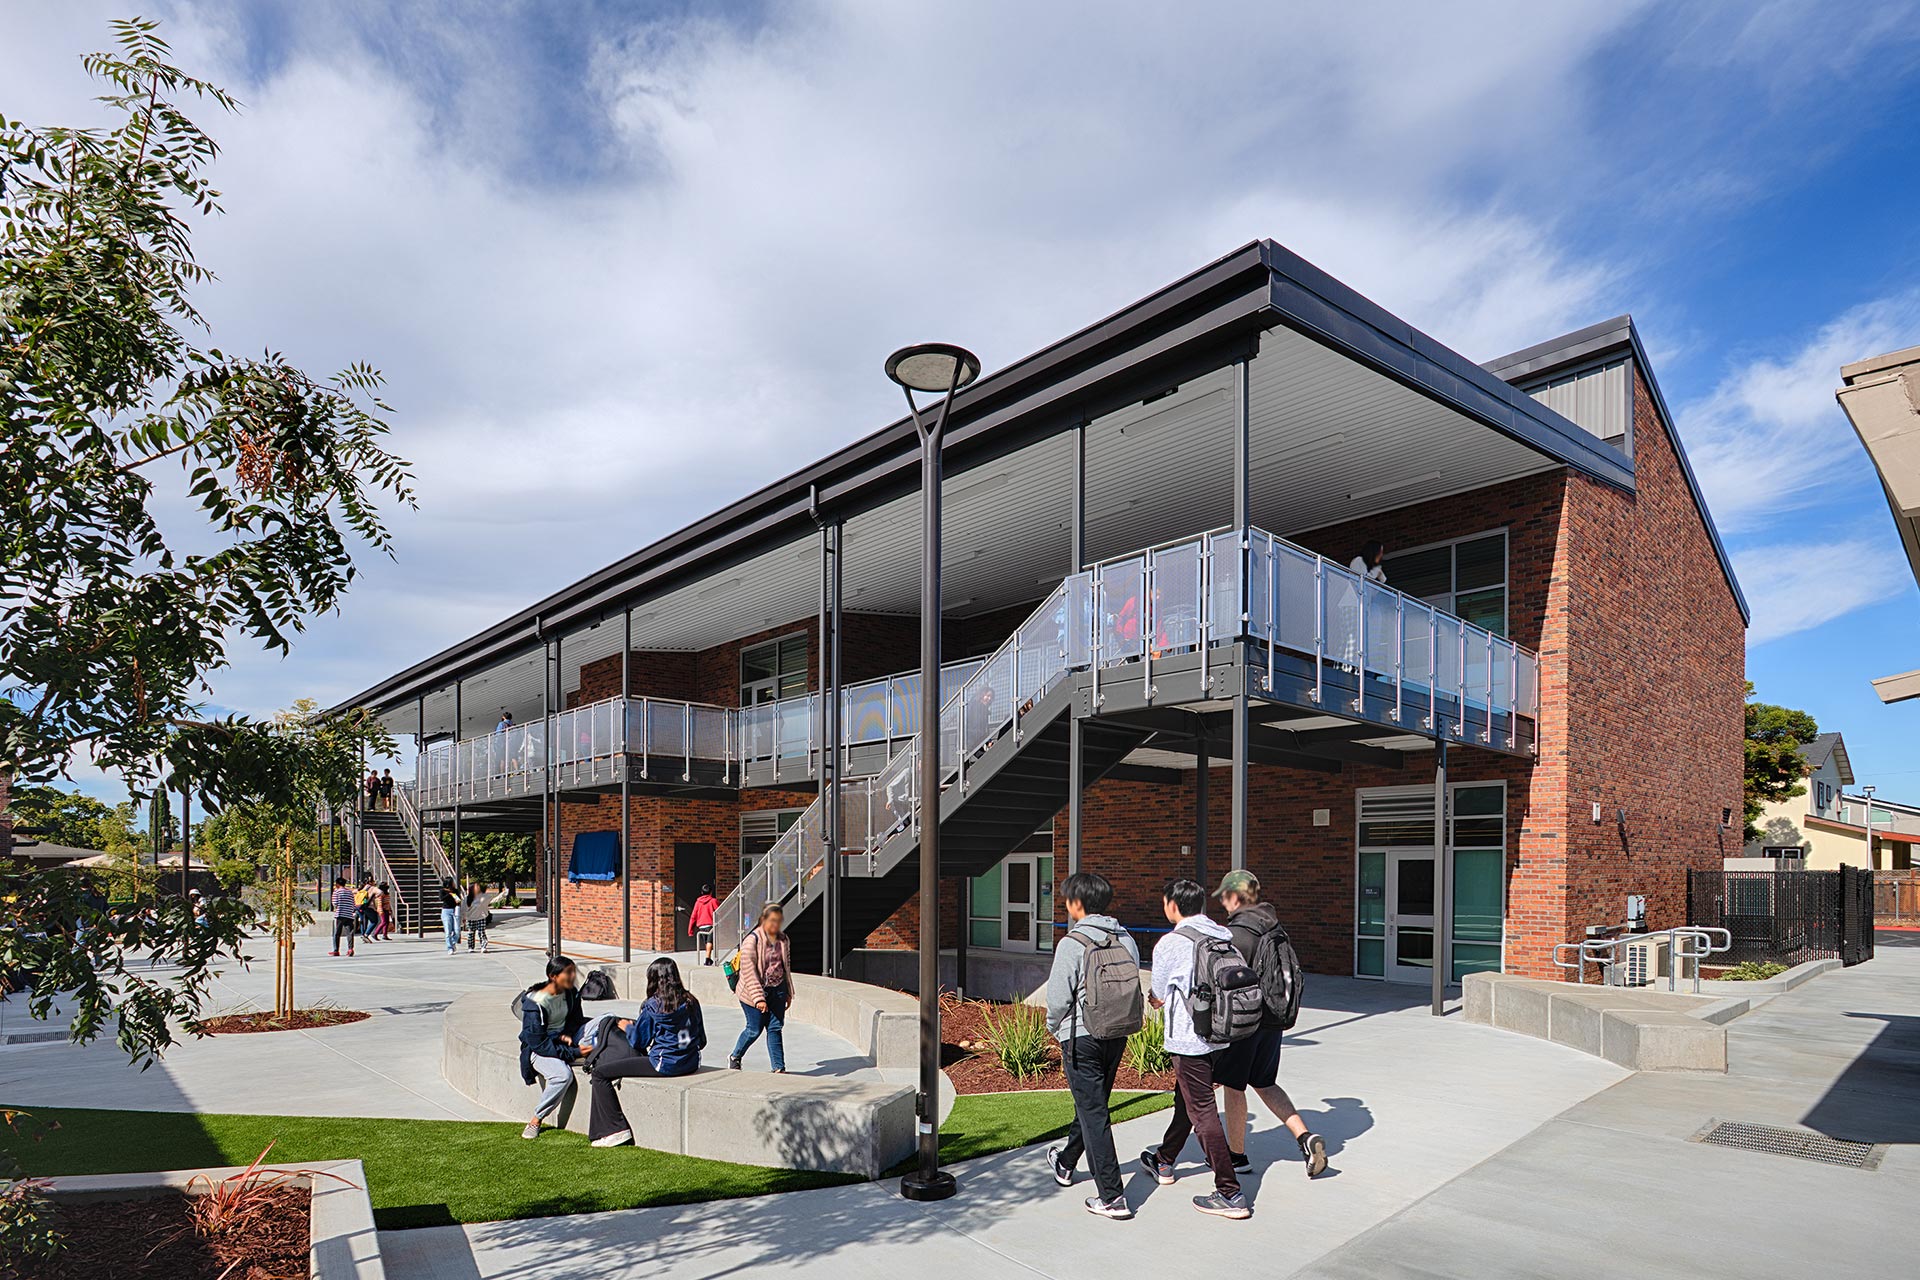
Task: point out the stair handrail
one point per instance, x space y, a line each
373 858
425 839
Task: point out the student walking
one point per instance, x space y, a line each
1254 1063
1187 983
1093 1005
383 911
665 1040
700 923
386 790
369 910
550 1020
450 914
765 988
346 916
476 912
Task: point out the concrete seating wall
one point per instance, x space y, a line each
1642 1030
833 1123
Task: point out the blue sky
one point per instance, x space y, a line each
553 223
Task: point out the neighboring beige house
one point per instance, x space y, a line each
1826 828
1882 398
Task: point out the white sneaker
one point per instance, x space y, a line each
531 1131
620 1139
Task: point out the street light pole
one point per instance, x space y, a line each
1868 793
932 367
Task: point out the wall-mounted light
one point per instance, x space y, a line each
1596 813
1726 818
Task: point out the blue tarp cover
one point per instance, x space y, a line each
596 856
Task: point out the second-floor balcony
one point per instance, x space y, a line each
1308 631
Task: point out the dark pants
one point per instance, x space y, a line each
1194 1109
347 927
614 1059
1091 1066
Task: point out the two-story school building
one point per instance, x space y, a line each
1159 660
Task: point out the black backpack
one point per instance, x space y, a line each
1225 1004
599 986
1281 982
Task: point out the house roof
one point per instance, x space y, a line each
47 851
1828 746
1199 323
1592 345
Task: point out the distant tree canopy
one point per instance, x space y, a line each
1775 770
496 857
70 818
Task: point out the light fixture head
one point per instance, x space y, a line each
933 367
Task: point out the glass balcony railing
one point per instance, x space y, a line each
1323 635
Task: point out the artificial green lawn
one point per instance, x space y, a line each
424 1173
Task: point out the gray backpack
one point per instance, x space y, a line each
1225 1003
1110 987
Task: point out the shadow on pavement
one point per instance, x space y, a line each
1877 1097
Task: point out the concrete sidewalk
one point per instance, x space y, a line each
387 1066
1407 1102
1617 1183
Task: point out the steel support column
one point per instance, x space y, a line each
1076 729
454 775
1243 522
830 751
1202 766
420 851
626 791
549 822
1442 907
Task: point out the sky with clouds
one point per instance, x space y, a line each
588 242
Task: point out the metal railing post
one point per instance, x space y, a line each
1273 603
1319 627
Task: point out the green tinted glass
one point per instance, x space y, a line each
1370 961
1474 957
984 933
1372 912
986 894
1477 877
1484 609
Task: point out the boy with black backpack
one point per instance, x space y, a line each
1254 1063
1093 1005
1212 1001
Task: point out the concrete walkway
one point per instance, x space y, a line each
385 1067
1407 1102
1616 1182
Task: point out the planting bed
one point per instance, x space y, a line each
156 1238
235 1024
976 1068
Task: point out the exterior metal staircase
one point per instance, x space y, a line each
398 852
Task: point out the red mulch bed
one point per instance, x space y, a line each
240 1024
975 1068
155 1240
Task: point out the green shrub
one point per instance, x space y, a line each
1753 971
1018 1034
1147 1047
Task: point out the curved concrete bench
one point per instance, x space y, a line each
1642 1030
831 1123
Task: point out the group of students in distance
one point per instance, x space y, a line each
1229 992
665 1040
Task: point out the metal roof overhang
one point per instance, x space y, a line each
1179 334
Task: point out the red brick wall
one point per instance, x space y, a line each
1655 705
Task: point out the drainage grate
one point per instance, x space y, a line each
1798 1143
33 1037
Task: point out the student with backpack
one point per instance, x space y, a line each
1093 1005
550 1024
1254 1063
1212 1000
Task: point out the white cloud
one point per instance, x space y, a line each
1770 439
616 288
1795 587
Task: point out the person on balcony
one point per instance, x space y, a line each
700 924
665 1040
1366 566
765 988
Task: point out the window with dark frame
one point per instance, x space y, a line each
773 670
1466 576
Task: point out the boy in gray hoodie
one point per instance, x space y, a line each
1090 1061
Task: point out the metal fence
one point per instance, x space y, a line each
1787 917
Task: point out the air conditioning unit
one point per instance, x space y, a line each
1644 961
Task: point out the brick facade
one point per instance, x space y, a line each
1642 673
